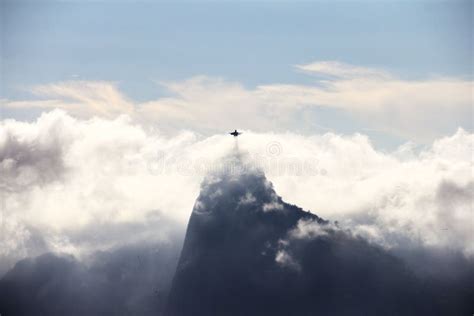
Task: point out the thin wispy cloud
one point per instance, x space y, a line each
421 110
80 98
342 70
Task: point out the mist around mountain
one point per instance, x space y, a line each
245 252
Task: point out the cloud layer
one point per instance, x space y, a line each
66 181
421 109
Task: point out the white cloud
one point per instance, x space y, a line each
63 175
248 198
60 175
209 104
273 206
420 110
80 98
284 259
309 229
342 70
424 199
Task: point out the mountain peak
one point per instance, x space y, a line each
247 252
236 225
240 187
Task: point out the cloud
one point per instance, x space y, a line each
67 183
285 260
273 206
390 199
247 199
342 70
308 229
81 98
420 110
210 104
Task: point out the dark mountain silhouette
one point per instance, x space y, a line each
132 280
246 252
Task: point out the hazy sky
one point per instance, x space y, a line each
140 47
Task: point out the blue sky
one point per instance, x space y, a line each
136 45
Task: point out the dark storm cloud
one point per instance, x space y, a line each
132 280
